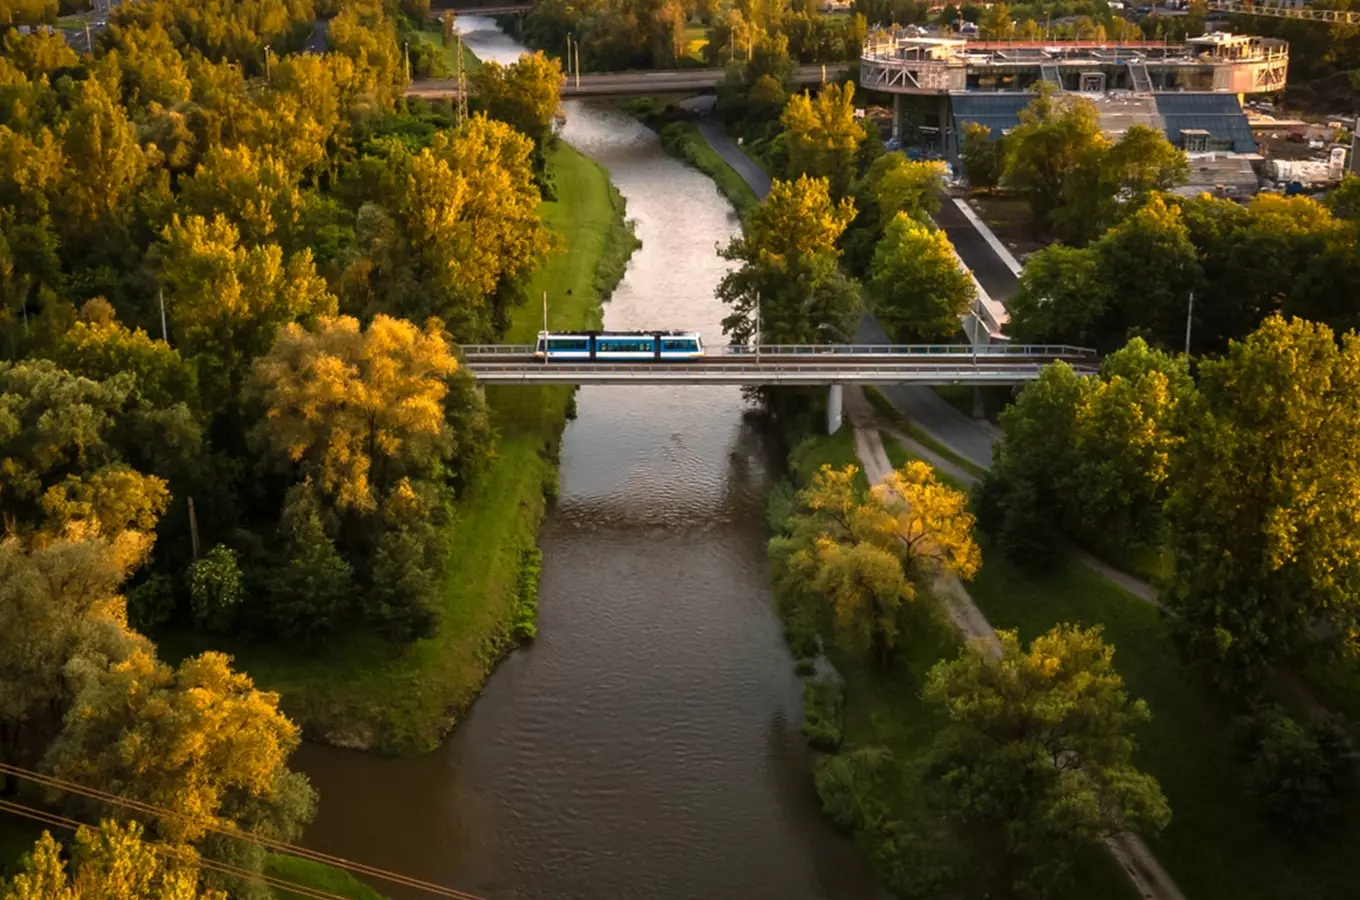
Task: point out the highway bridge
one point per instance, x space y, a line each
503 9
635 84
789 365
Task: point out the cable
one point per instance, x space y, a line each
234 832
222 868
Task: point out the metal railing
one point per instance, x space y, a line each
945 371
930 351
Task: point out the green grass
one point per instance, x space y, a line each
17 837
366 693
1217 845
899 455
317 876
960 396
433 35
916 433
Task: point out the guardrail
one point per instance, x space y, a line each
764 373
961 351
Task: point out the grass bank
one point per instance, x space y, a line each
318 876
432 35
681 138
361 692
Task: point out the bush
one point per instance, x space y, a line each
823 708
215 589
1299 772
525 625
853 787
151 601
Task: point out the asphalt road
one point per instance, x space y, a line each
920 404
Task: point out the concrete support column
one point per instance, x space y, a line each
897 117
835 399
979 411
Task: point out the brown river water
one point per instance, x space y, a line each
647 744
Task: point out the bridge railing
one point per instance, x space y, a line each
960 351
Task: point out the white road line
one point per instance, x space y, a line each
991 239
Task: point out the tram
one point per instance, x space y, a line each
622 346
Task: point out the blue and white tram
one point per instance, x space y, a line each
621 346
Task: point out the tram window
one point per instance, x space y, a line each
682 344
569 344
613 346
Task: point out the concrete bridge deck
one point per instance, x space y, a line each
634 84
847 364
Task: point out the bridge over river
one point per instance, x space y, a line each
635 84
777 364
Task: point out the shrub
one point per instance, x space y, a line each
1299 772
853 787
525 625
823 707
215 589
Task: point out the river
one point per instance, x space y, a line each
647 744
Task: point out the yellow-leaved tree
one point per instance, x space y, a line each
863 555
357 409
822 135
110 863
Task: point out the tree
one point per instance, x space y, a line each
1037 761
862 555
215 588
788 265
226 301
983 159
1262 516
895 184
61 619
106 162
823 135
996 24
358 410
112 863
917 289
255 192
1055 136
98 347
1111 181
1344 199
1061 298
198 740
524 95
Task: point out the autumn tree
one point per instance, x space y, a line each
1037 761
225 301
917 288
112 861
863 556
198 741
996 24
788 259
524 95
822 135
106 162
256 193
1262 515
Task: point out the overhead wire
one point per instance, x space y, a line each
231 831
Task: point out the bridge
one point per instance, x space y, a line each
633 84
503 9
1285 9
791 365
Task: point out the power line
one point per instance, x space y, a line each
48 818
230 830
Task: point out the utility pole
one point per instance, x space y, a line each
406 48
193 529
267 72
462 84
577 49
160 295
757 327
545 312
1189 315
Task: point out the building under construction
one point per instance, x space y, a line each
1191 91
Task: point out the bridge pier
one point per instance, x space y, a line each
835 400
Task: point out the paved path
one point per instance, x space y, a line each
727 148
991 271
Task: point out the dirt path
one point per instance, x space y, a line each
1152 881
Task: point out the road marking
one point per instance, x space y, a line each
997 247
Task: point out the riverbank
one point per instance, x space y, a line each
359 692
683 138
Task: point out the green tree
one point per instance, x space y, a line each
983 159
1056 134
215 590
111 863
788 259
1262 517
106 161
916 288
895 184
1061 298
996 24
1344 199
315 589
1038 760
